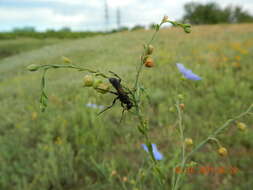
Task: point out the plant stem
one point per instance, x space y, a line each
55 66
218 131
201 144
181 129
141 63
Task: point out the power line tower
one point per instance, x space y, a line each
106 16
118 15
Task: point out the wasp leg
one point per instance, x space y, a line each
114 101
122 114
128 91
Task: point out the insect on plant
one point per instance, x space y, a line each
131 98
122 94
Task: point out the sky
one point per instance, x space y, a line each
90 14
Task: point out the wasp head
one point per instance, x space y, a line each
115 82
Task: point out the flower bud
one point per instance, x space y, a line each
192 164
103 88
241 126
149 62
33 67
165 19
88 80
66 60
180 96
187 29
222 151
171 109
150 50
188 141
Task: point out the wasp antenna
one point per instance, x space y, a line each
116 75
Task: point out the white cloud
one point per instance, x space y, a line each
70 2
118 3
89 14
41 16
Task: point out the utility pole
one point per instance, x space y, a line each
118 15
106 16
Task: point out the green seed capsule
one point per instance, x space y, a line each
97 82
150 50
103 88
187 29
88 80
33 67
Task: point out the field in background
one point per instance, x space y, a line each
69 147
16 46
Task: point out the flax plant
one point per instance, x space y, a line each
135 94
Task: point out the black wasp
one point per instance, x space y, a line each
121 94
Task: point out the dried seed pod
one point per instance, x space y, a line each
149 62
182 106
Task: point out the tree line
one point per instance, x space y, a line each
212 13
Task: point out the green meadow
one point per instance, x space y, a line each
69 147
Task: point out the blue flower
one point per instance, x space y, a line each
157 154
187 72
95 106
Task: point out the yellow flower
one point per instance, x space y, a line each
222 151
238 58
236 65
188 141
244 51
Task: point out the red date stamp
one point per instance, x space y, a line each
205 170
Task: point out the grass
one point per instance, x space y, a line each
69 147
12 47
